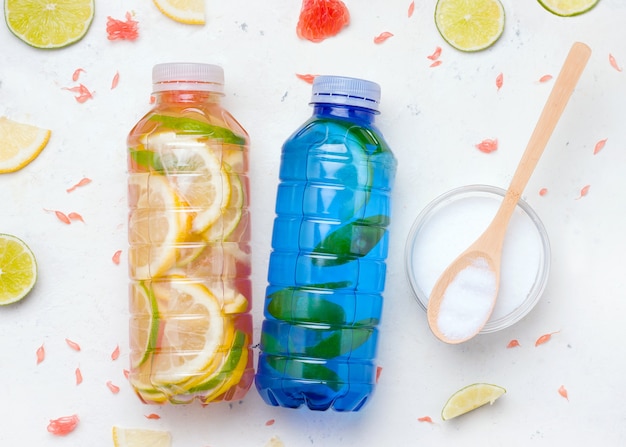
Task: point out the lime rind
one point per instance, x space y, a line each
568 8
468 26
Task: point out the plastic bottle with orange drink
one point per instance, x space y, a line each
189 236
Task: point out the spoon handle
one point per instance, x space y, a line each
552 111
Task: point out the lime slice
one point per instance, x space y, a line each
470 398
19 144
190 12
137 437
470 25
18 269
144 323
568 8
47 23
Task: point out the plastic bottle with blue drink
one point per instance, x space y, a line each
327 268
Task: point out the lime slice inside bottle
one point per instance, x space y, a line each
568 8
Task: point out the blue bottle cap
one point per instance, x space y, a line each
188 76
346 91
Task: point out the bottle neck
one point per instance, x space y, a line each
367 116
186 96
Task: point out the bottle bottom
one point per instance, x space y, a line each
316 395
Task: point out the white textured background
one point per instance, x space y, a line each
431 117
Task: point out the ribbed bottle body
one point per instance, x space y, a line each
189 254
327 268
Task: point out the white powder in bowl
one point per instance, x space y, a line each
452 222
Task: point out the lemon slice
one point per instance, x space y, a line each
49 23
568 8
19 144
470 25
192 331
137 437
195 172
155 225
190 12
470 398
18 269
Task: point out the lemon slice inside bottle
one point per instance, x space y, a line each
192 331
155 225
195 172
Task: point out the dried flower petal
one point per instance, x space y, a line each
435 54
76 216
425 419
79 376
382 37
114 388
544 338
563 392
545 78
116 80
116 257
84 181
543 191
599 146
72 344
308 78
499 81
152 416
435 64
613 63
513 344
77 73
411 9
116 353
583 192
270 422
41 354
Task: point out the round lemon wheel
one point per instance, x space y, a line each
469 398
18 269
470 25
49 23
20 144
568 8
190 12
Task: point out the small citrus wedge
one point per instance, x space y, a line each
190 12
470 25
49 23
568 8
469 398
137 437
18 269
20 144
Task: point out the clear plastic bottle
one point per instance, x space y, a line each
329 246
189 235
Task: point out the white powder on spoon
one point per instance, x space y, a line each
467 301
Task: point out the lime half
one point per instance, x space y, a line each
469 398
18 269
470 25
568 8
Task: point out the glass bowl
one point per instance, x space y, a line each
451 222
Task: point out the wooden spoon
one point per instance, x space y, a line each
478 267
